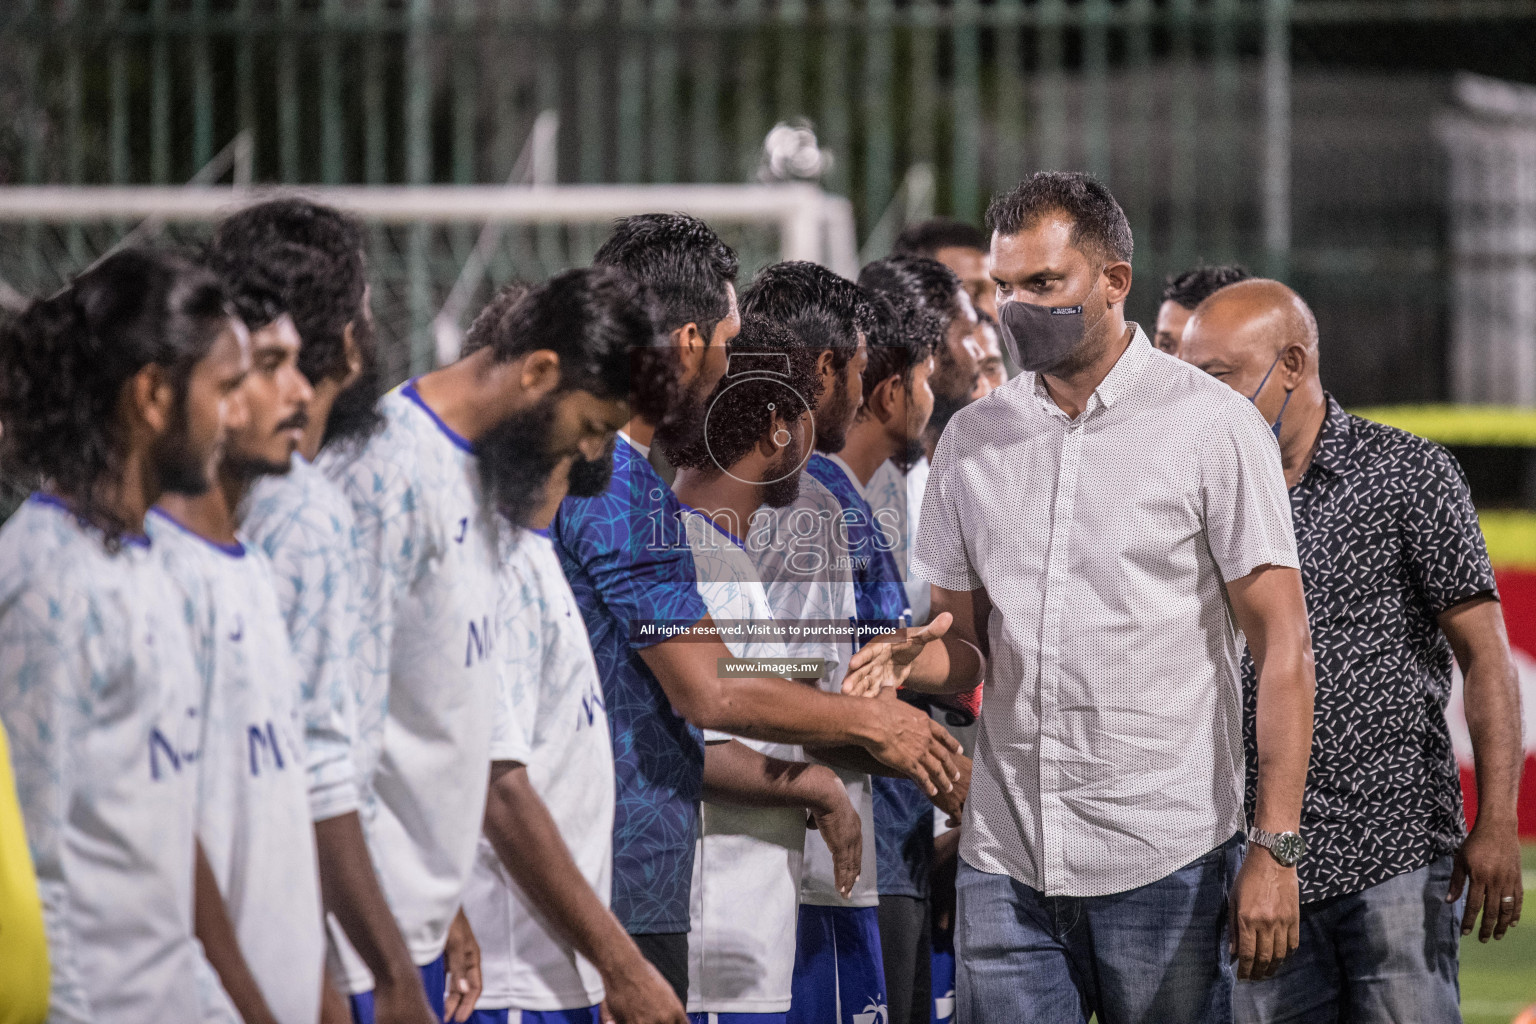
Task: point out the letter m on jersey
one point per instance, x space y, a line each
479 643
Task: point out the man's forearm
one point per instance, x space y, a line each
736 774
949 665
530 847
767 708
1284 717
853 759
1492 693
217 934
350 890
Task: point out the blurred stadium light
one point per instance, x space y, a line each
1293 135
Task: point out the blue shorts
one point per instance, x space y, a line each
737 1018
839 972
585 1015
943 972
434 978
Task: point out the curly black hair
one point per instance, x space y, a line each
310 258
929 236
1193 287
808 298
1098 222
595 319
65 360
487 321
683 263
907 329
768 372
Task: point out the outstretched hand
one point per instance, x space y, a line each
885 664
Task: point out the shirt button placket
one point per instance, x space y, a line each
1057 564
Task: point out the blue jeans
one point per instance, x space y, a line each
1153 955
1385 954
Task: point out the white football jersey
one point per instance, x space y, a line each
102 700
802 555
744 901
549 717
429 590
253 805
305 527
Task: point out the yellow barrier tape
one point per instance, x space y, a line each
1494 425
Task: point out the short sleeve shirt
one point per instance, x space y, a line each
305 527
1388 540
101 696
429 589
550 718
801 554
882 600
626 555
903 814
1110 739
897 499
253 818
746 874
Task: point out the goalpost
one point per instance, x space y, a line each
436 253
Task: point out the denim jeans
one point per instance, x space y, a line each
1385 955
1153 955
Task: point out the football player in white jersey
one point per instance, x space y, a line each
112 392
552 951
429 540
745 894
310 257
253 819
838 972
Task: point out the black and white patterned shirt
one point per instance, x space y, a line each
1388 540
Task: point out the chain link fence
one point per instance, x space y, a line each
1296 136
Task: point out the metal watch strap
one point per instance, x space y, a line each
1263 838
1270 840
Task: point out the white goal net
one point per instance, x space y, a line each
436 253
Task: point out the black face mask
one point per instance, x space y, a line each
1040 338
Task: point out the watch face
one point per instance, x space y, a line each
1288 848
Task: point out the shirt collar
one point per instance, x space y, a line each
1336 441
643 449
1121 377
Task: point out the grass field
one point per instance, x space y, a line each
1499 980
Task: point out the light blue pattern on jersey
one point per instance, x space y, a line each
550 718
427 562
253 809
100 695
627 559
305 527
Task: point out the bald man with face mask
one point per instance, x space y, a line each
1397 581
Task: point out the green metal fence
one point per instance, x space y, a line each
1210 119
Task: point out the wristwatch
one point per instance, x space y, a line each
1286 847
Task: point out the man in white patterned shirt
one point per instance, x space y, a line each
1098 529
